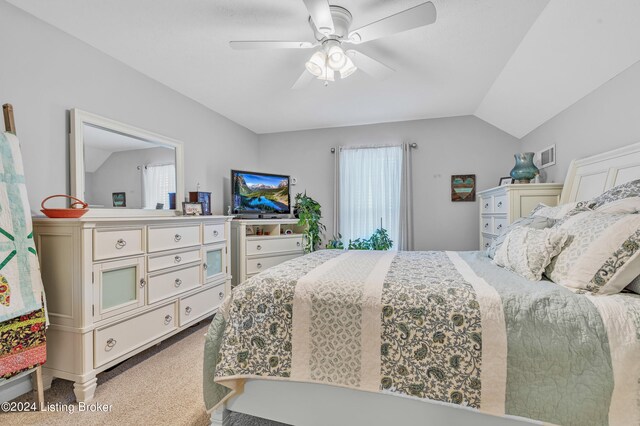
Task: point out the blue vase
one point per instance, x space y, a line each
524 170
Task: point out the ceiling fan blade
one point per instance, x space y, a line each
369 65
247 45
415 17
320 13
303 81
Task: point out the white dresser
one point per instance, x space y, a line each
116 286
502 205
260 244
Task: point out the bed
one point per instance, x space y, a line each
428 338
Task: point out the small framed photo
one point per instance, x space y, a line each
506 181
119 199
192 209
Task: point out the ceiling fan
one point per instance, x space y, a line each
330 25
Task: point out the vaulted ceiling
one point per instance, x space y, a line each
513 63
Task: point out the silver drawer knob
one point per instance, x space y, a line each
177 237
120 243
221 295
500 226
168 319
486 206
205 266
500 204
187 310
215 233
143 282
111 343
298 243
177 259
258 247
259 265
486 245
486 225
178 282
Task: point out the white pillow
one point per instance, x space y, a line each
626 205
602 255
558 212
528 251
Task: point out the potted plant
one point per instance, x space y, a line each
309 214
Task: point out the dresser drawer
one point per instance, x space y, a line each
175 259
485 242
213 233
255 266
500 204
115 340
486 205
499 225
161 286
196 305
111 243
487 225
275 245
174 237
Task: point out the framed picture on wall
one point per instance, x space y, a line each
463 188
119 199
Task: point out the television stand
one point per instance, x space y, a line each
260 243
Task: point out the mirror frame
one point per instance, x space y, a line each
76 162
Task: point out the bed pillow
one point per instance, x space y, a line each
558 212
620 192
602 255
528 251
628 205
537 222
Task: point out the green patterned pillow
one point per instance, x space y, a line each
528 251
602 255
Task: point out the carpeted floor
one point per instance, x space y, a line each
160 386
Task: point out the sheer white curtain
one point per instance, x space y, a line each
370 190
157 182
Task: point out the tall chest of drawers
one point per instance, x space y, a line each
260 244
502 205
115 287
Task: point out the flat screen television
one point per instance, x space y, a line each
260 193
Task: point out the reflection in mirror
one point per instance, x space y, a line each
122 171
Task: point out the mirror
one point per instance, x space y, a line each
117 167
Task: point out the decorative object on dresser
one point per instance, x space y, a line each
117 286
280 240
524 170
192 209
463 188
77 209
505 181
204 198
119 199
502 205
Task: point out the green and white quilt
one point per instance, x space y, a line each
21 290
444 326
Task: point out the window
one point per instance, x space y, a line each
157 182
370 181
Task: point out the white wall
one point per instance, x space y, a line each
458 145
607 118
46 72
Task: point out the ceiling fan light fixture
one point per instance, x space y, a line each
348 69
327 75
316 64
336 58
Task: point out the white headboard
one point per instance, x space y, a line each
591 176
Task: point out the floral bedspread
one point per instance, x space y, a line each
442 326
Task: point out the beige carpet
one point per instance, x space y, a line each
160 386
